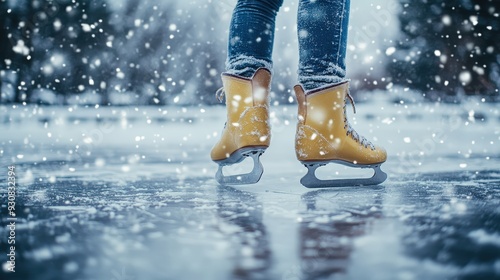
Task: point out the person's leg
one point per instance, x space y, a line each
246 87
251 36
324 134
322 32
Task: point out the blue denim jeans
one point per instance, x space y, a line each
322 33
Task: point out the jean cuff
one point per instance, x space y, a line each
246 66
315 83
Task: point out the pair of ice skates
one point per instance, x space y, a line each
323 136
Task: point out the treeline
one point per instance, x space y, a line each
165 52
143 52
448 49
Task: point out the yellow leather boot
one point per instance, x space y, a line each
247 131
324 136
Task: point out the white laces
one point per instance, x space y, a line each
220 94
350 131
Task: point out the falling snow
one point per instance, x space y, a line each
114 180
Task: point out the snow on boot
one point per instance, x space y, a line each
324 136
247 130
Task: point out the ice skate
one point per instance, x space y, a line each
247 130
324 136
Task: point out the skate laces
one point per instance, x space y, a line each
350 131
220 94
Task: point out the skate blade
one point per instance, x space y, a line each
311 181
242 179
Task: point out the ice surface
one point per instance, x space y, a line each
128 193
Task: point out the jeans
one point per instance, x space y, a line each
322 35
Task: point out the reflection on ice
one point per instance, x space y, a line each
326 237
140 202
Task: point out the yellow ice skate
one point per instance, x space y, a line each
324 136
247 130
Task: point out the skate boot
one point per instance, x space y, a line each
324 136
247 131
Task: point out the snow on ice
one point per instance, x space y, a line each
127 191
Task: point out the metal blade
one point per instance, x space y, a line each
311 181
242 179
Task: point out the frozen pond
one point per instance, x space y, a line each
128 193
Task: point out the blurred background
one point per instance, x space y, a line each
167 52
115 180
